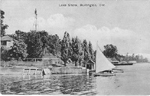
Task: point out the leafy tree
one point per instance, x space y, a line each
66 48
54 44
81 53
145 60
4 54
91 52
44 46
119 57
110 51
31 42
37 43
57 45
77 51
18 50
39 48
3 26
86 52
20 35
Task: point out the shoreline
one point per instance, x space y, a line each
55 70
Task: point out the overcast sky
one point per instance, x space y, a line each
124 23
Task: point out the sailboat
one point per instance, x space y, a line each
103 65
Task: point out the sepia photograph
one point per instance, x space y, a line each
75 47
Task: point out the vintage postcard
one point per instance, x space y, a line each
75 47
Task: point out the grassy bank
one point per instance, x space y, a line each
55 70
16 67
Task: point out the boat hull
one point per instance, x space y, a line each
123 64
104 74
118 71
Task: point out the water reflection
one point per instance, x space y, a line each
75 84
106 85
58 84
128 83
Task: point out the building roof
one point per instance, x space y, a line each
6 38
91 61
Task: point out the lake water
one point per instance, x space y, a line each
55 84
134 81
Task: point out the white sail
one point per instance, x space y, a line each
102 63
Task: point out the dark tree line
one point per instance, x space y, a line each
3 26
133 57
37 44
112 52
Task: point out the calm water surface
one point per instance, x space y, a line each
134 81
55 84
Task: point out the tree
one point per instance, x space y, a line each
44 46
145 60
33 43
81 53
18 50
57 45
110 51
54 44
3 26
91 52
4 54
119 57
20 35
66 48
37 44
77 51
85 51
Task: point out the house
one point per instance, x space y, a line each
90 64
6 42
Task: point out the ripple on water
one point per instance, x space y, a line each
65 84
